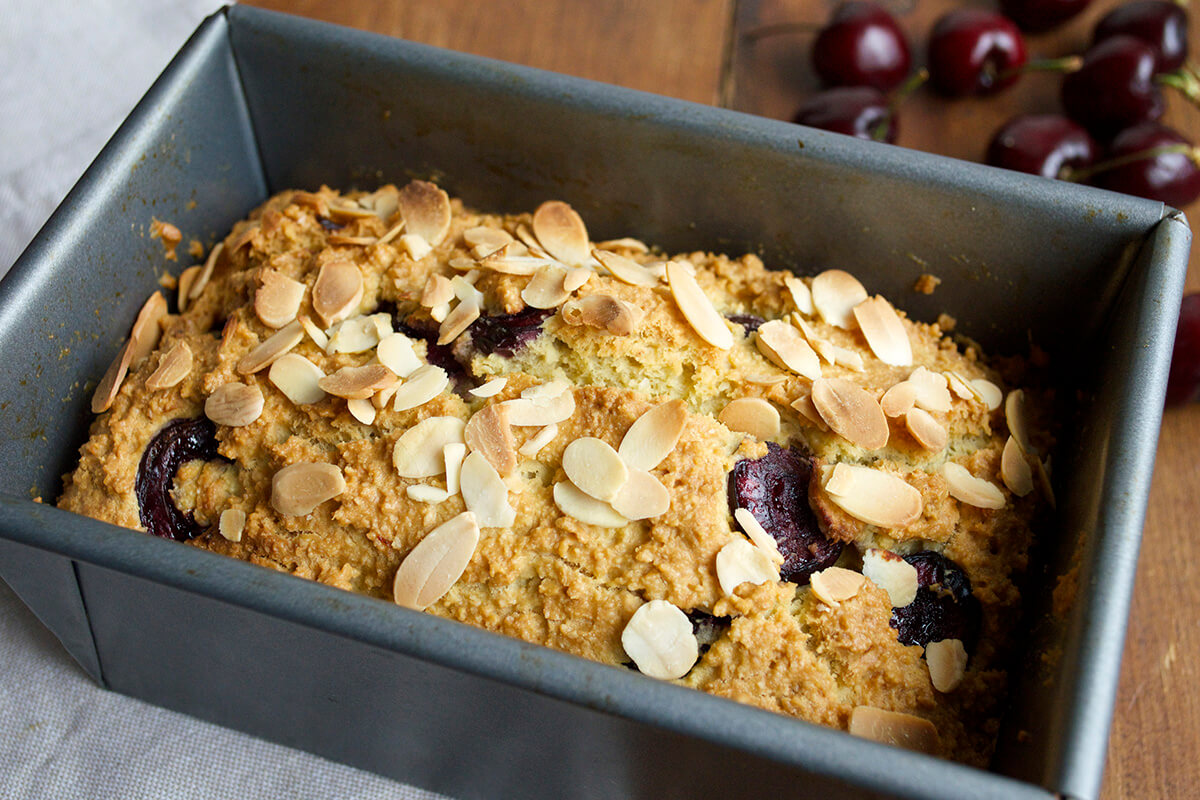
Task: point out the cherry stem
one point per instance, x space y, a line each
902 93
754 34
1184 80
1064 64
1081 175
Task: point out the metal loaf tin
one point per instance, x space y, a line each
257 102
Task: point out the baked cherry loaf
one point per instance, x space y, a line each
772 488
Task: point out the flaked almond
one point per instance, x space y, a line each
653 436
897 400
751 415
343 209
395 351
989 392
766 380
231 524
1042 472
784 346
173 368
928 432
624 243
490 389
801 295
507 262
416 246
535 443
523 411
741 562
932 390
947 660
884 331
453 454
437 291
484 493
234 405
458 320
114 376
337 292
187 279
873 496
147 329
424 493
436 563
848 358
604 312
660 641
297 489
316 334
482 236
313 200
425 210
851 412
625 269
545 393
298 378
577 505
560 230
576 278
362 410
418 453
894 728
210 265
354 241
808 410
276 345
595 467
835 584
358 383
835 293
1014 469
277 300
697 308
969 489
383 397
353 335
420 387
489 433
893 574
1014 415
642 497
961 387
391 232
546 288
762 540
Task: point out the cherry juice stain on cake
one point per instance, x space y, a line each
944 607
180 441
505 334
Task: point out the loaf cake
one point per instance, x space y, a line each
766 485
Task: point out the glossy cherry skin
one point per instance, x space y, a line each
861 45
1171 178
1159 23
1183 386
1114 88
1049 145
974 51
859 111
1041 15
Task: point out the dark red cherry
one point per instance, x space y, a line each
1049 145
179 441
1159 23
975 51
749 322
1114 88
1151 160
1041 15
1183 386
861 45
507 333
860 111
944 607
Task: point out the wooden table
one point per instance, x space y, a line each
699 50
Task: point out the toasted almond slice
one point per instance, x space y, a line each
932 390
172 369
525 235
884 331
418 453
560 230
362 410
960 387
625 269
765 380
297 489
426 211
354 241
316 334
1042 470
423 493
383 397
187 279
535 443
275 346
624 243
783 345
873 496
604 312
801 295
277 300
436 563
897 400
146 329
642 497
853 413
420 387
524 411
751 415
1014 415
358 383
437 291
489 433
835 584
947 660
835 293
483 236
595 467
762 540
546 288
490 389
416 246
504 262
114 376
808 410
234 405
577 505
1014 469
653 436
894 728
660 641
969 489
337 292
453 454
741 562
231 524
458 320
391 233
205 275
989 392
343 209
298 378
928 432
395 351
484 493
440 312
697 308
893 574
576 278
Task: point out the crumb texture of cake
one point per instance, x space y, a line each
771 487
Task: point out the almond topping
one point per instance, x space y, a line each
804 405
187 279
893 574
660 641
297 489
114 376
505 261
490 389
316 334
358 383
454 454
653 436
524 411
275 346
173 368
894 728
595 467
697 308
576 278
420 387
642 497
234 405
231 524
873 496
491 238
897 400
337 292
561 231
884 331
539 440
418 453
835 293
1043 477
1014 414
489 434
146 329
947 660
800 293
425 210
395 351
971 490
932 392
545 393
928 432
298 378
741 562
1014 469
546 288
437 291
625 269
362 410
853 413
834 584
354 335
484 493
457 321
626 243
960 387
416 246
751 415
762 540
436 563
206 273
577 505
604 312
785 347
988 392
424 493
278 299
